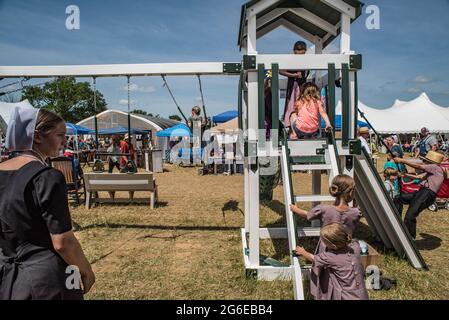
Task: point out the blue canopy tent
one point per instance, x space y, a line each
121 130
74 129
338 123
179 130
225 116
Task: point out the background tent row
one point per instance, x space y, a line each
407 117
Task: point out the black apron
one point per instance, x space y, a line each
28 269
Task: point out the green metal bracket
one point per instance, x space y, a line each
355 147
355 62
249 62
251 274
233 68
349 163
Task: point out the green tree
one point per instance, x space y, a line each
142 112
175 117
73 101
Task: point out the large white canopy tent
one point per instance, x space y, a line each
115 118
407 117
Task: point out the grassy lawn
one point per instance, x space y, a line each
189 247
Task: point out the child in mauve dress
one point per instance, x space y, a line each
342 188
339 267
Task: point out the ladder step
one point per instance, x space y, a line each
308 232
316 159
305 167
314 198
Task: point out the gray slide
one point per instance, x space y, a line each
380 212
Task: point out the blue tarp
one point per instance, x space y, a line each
121 130
225 116
74 129
180 130
338 123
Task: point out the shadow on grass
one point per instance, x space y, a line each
231 205
428 242
276 206
158 227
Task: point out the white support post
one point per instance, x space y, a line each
253 176
252 35
345 40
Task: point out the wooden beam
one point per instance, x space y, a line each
341 6
315 20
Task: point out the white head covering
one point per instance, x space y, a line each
21 126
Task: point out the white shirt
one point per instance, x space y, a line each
365 145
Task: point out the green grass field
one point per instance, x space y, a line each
189 247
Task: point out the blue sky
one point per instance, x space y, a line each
408 55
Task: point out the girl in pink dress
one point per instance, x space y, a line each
309 108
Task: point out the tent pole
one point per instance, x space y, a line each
95 111
129 114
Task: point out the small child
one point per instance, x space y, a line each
308 109
391 176
342 188
339 273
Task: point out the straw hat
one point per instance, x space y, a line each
433 157
364 130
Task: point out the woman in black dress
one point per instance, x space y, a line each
40 257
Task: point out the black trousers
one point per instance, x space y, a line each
113 165
417 201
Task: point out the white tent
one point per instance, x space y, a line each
5 112
407 116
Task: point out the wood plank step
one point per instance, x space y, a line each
308 232
306 167
315 159
314 198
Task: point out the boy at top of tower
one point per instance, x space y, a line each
296 78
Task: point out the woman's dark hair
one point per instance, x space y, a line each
300 45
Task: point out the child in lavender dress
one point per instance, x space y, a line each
342 188
340 273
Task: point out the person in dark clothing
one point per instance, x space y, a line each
432 179
296 78
40 257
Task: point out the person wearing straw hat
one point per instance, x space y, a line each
37 244
432 179
364 137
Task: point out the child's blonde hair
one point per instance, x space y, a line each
342 187
390 172
335 235
310 91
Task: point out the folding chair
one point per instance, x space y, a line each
74 179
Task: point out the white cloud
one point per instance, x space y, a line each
422 79
125 101
412 90
134 87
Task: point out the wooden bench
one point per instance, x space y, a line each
113 182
